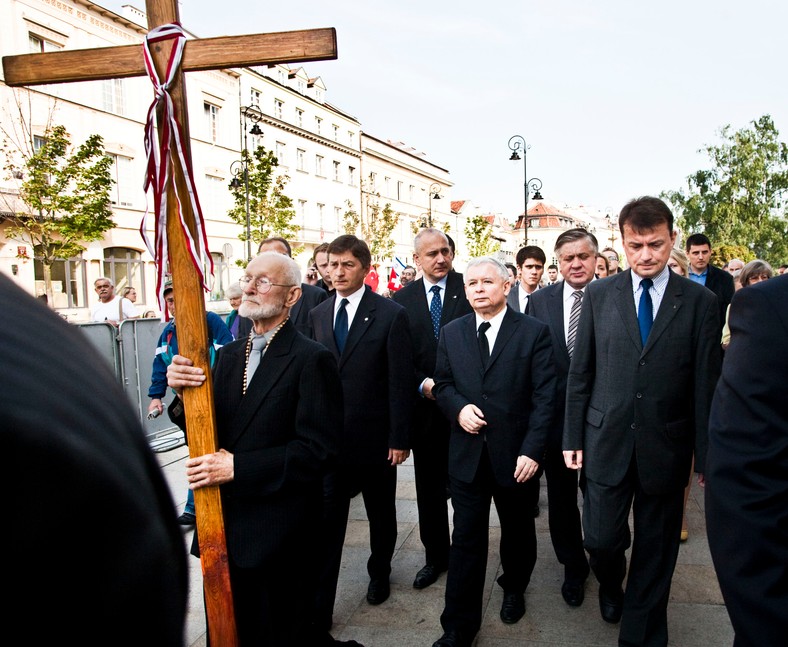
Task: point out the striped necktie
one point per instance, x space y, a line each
574 317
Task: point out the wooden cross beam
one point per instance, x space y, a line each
125 61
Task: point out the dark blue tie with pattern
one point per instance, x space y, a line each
645 310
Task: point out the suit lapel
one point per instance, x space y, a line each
472 344
625 303
273 364
555 312
365 315
454 290
513 298
324 326
508 326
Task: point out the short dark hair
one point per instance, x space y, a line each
409 267
322 247
572 236
530 251
352 244
697 239
552 266
277 239
645 214
512 268
451 245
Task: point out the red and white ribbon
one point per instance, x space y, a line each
159 174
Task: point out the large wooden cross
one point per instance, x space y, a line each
204 54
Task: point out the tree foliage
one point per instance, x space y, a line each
376 227
741 199
271 212
65 192
478 235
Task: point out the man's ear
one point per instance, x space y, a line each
293 295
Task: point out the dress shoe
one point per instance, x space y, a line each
573 593
187 519
426 576
611 605
378 591
513 607
452 639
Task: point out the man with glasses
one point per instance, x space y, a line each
612 259
278 410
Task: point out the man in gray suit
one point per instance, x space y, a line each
646 361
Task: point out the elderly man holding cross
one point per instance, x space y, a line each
165 59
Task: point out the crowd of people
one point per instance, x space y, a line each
605 380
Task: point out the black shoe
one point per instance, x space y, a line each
536 511
187 519
573 593
452 639
378 591
513 607
426 576
611 604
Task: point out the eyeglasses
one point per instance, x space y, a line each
612 258
262 285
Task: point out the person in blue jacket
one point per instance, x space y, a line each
167 346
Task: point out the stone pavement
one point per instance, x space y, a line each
696 614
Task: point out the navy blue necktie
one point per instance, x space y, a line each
484 345
340 326
436 307
645 310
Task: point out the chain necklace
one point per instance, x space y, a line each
249 349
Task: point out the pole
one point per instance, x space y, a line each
245 157
525 191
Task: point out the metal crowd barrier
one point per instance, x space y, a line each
129 351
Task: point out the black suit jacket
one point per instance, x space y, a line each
299 313
88 505
652 402
721 283
547 305
413 298
283 434
376 370
515 391
747 466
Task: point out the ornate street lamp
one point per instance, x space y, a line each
240 168
517 144
434 194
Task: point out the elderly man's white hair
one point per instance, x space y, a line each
292 271
489 260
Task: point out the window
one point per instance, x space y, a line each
124 267
301 85
211 121
373 181
337 172
319 165
534 222
386 186
280 76
399 190
351 176
300 163
38 44
335 128
320 210
38 143
112 96
319 96
69 281
302 213
351 138
299 118
213 199
255 97
279 107
411 191
318 125
126 183
338 218
280 151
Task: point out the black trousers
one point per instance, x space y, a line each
431 469
377 485
470 541
657 529
563 516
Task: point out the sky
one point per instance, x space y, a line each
614 98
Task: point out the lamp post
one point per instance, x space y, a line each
240 168
434 194
517 144
612 224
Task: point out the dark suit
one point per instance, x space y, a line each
513 299
747 467
376 373
566 533
299 313
94 551
282 434
515 392
637 413
721 283
430 426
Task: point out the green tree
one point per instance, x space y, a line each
65 192
376 227
271 212
741 199
478 234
